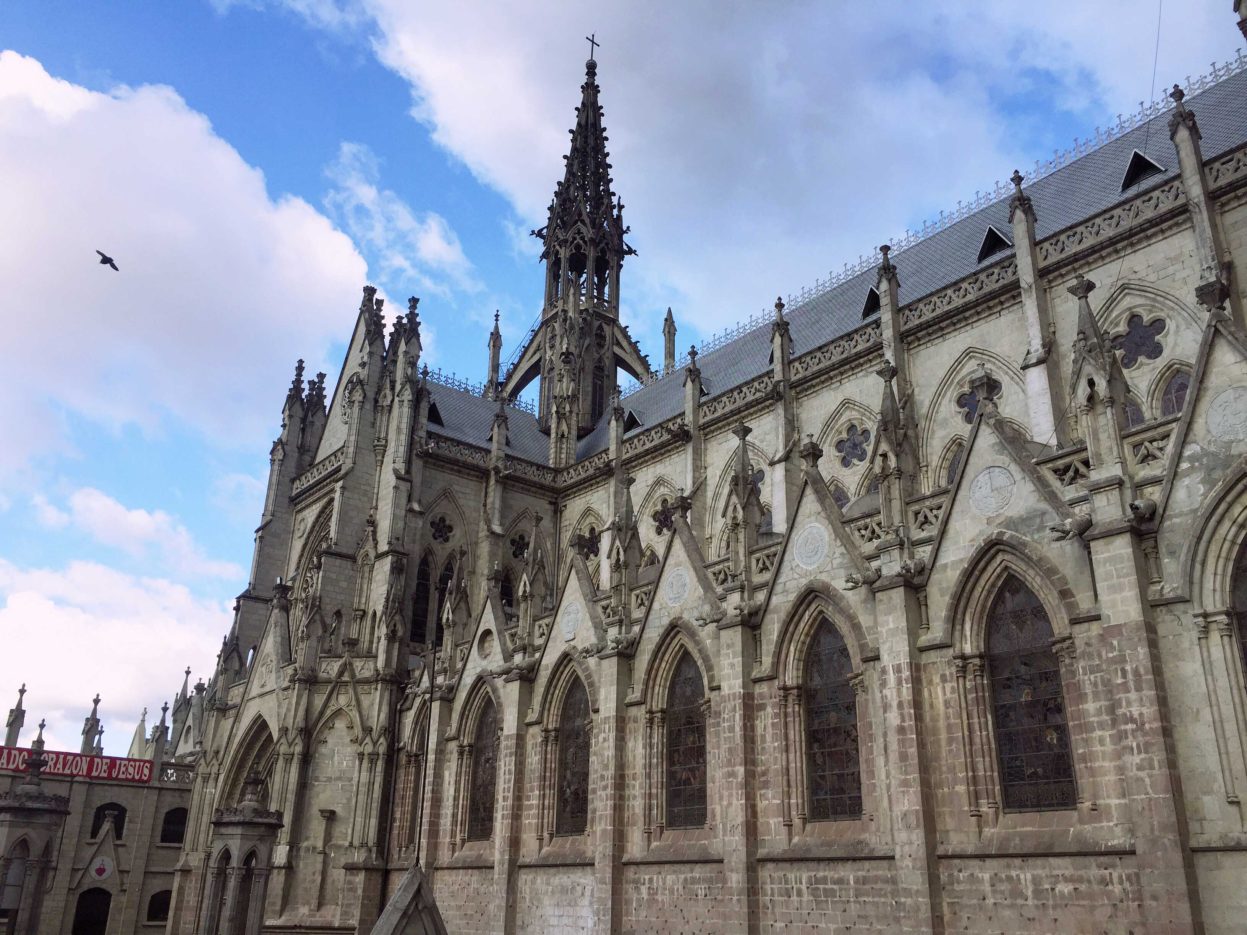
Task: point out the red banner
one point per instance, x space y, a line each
79 765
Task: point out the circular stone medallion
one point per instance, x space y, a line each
570 621
101 868
676 588
1227 415
810 547
485 644
991 490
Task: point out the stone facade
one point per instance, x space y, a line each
933 622
89 855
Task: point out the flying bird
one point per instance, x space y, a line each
106 260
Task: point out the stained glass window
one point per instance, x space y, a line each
1239 601
1134 413
686 747
1174 397
1032 737
968 402
572 806
484 775
840 496
1139 340
854 446
954 463
831 750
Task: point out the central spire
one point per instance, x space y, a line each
580 344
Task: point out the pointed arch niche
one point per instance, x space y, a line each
941 419
1023 728
828 779
679 737
565 762
1216 565
476 782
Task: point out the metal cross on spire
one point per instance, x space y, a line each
593 45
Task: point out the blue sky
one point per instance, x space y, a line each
251 164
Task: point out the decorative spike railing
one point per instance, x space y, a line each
1042 168
442 378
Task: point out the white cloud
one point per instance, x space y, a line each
413 248
136 636
757 146
221 285
139 533
48 515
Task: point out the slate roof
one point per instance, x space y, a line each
1084 187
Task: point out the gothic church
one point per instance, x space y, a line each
920 606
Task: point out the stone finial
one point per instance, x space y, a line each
95 705
1081 288
810 452
1020 201
887 372
1181 116
692 355
413 303
779 309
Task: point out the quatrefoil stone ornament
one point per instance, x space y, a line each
853 446
1138 341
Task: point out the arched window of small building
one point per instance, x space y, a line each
571 814
215 903
873 486
12 884
173 826
158 906
91 912
1173 398
1238 599
686 746
833 769
420 601
483 783
1028 706
1134 413
649 559
119 820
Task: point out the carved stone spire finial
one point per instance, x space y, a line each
1020 201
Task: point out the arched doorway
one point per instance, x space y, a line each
91 913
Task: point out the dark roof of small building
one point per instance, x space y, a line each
1081 188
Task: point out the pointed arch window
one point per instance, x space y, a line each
483 783
1173 398
1134 413
839 496
506 592
572 801
686 746
833 769
420 601
1028 706
1238 601
954 463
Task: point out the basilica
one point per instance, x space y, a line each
919 605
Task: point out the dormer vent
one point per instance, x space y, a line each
872 303
993 242
1138 169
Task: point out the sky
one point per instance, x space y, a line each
251 164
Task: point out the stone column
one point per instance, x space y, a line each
509 798
1153 786
920 907
738 820
607 783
